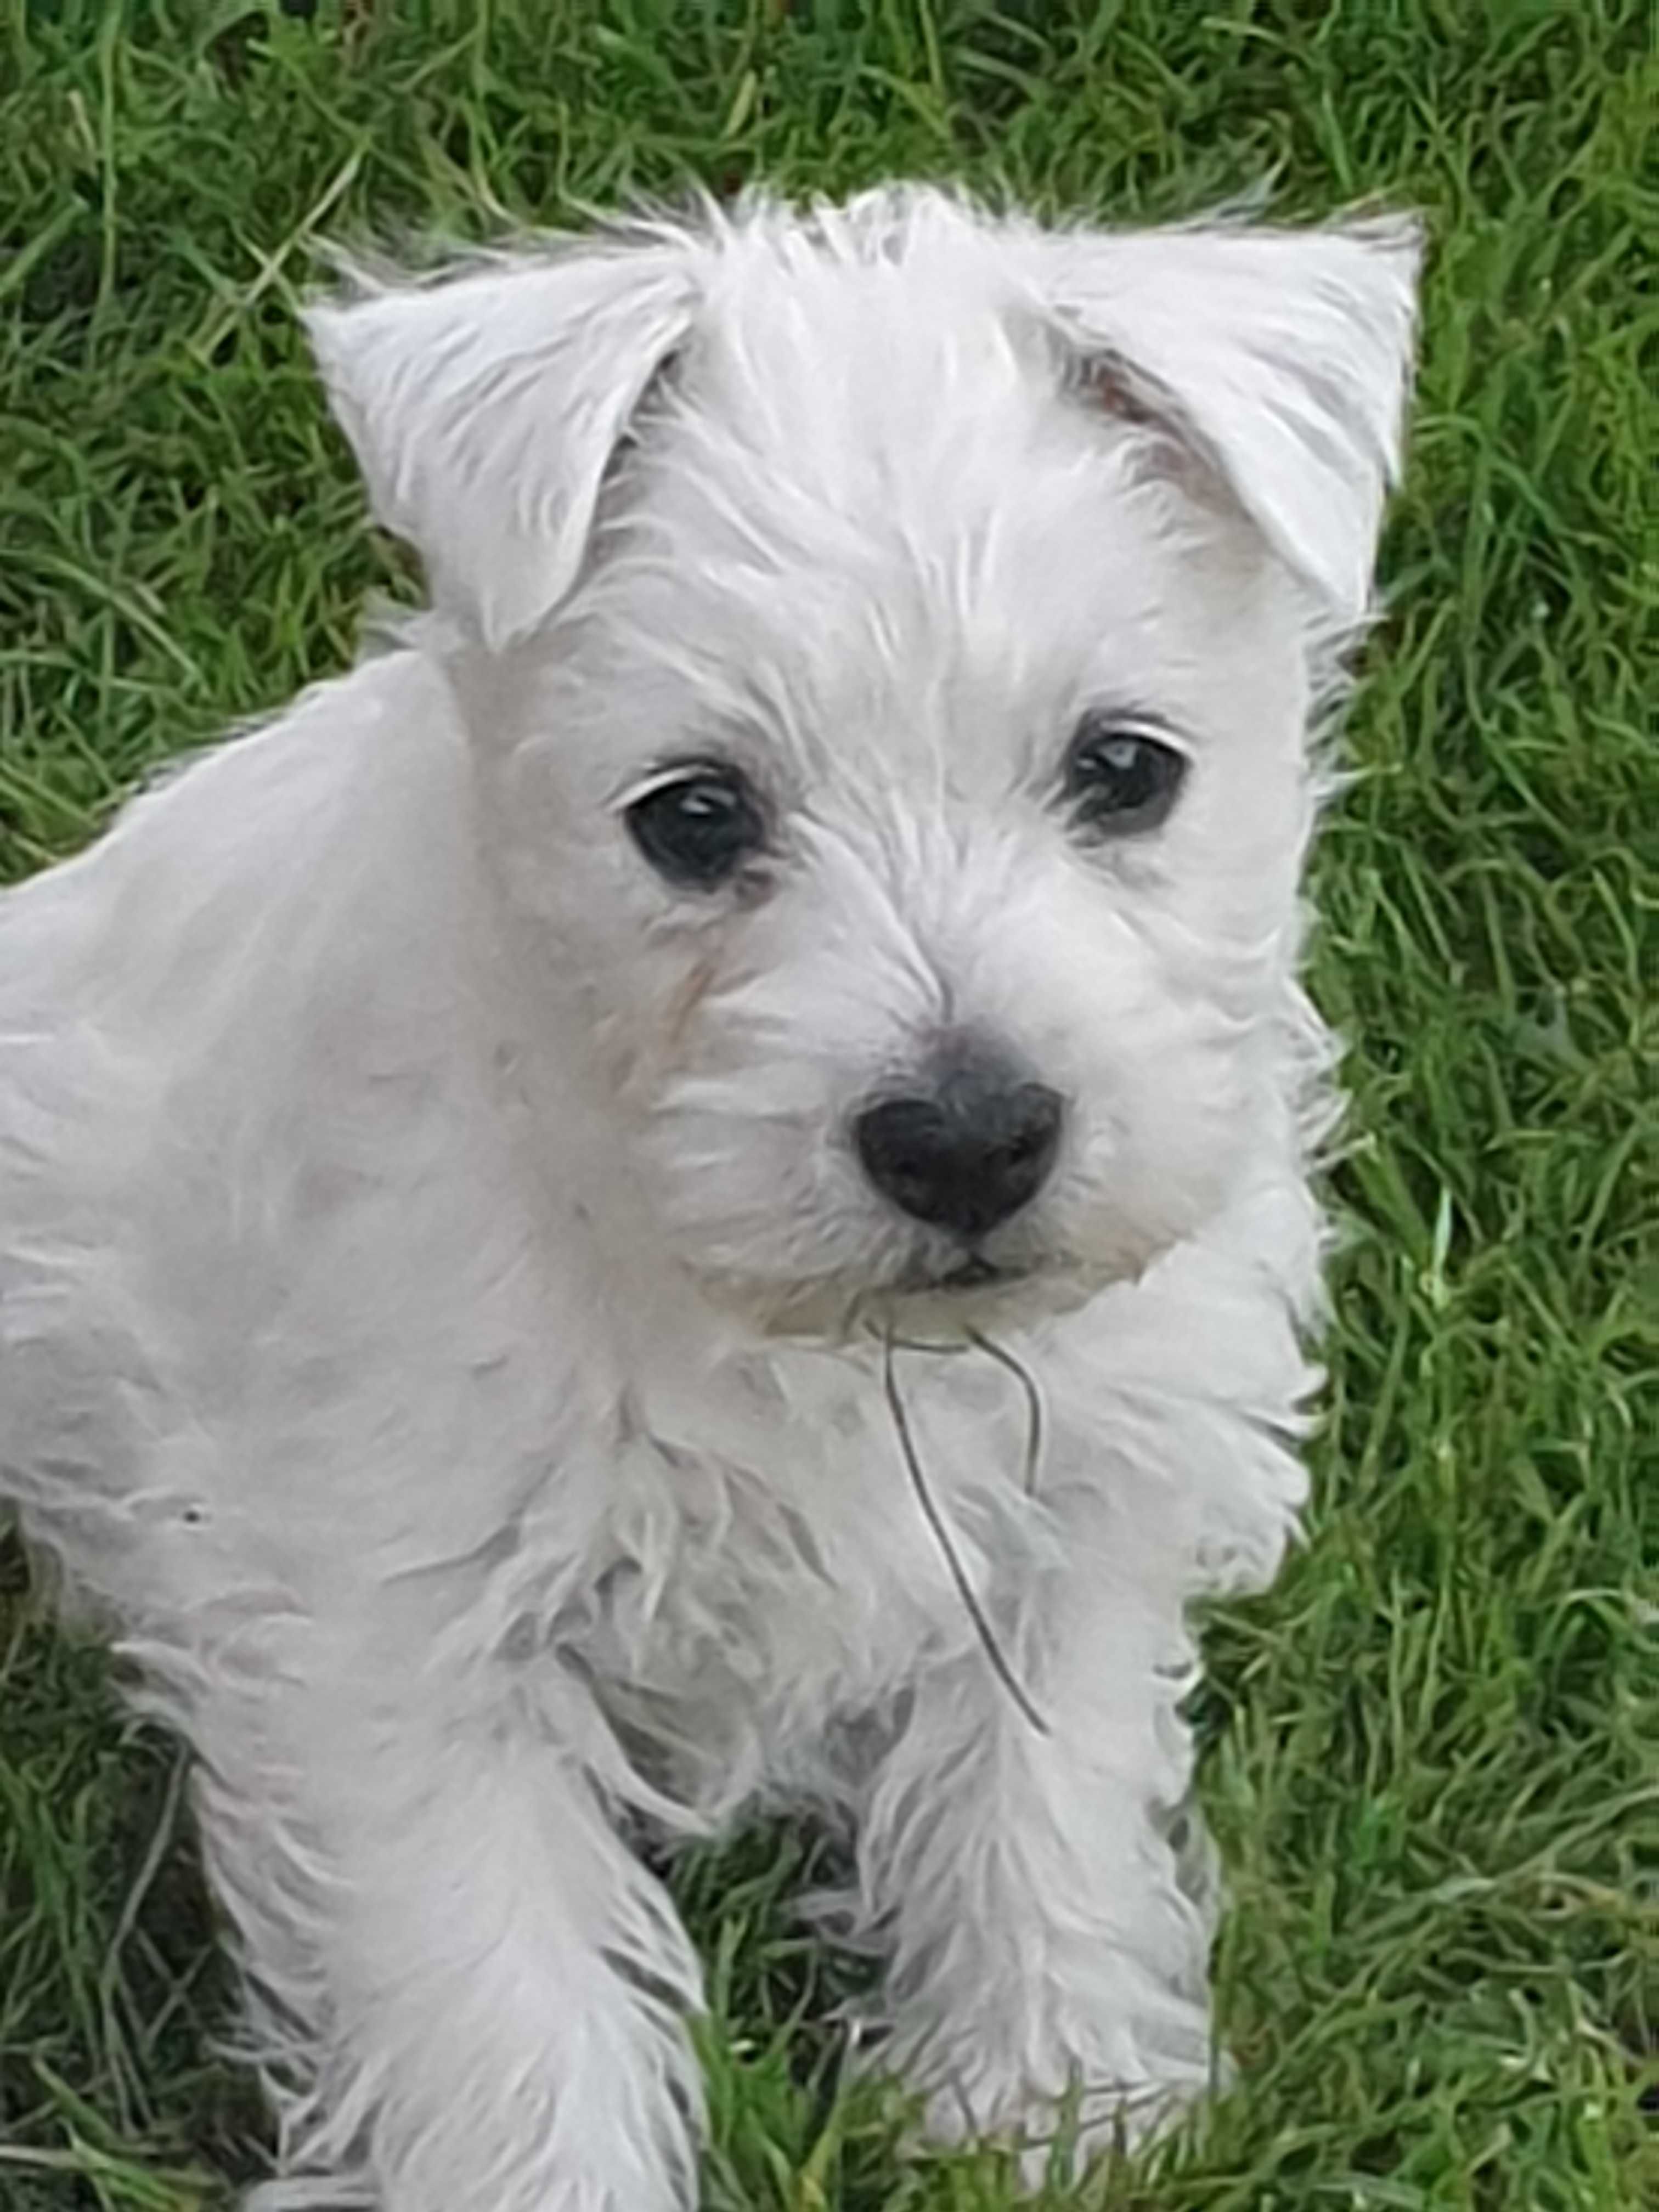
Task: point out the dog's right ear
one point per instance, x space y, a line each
484 409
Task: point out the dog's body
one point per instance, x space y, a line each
461 1241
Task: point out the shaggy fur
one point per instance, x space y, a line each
442 1314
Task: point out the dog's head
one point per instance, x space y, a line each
888 639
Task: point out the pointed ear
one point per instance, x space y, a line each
484 409
1280 358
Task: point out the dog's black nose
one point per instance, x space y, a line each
968 1153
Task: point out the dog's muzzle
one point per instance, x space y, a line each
968 1152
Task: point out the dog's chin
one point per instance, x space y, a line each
975 1297
965 1296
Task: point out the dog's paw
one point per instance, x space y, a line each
1057 2134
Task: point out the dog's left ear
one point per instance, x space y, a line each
1280 358
484 407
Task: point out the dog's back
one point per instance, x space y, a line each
209 1024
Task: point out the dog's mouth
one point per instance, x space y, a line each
975 1272
965 1292
957 1293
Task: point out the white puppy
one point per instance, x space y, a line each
541 1194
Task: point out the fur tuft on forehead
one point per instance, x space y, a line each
485 410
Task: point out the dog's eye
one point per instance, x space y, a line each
699 826
1120 778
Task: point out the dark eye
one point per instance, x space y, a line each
1119 778
698 827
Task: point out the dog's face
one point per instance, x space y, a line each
922 895
904 781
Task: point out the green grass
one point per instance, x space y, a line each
1432 1754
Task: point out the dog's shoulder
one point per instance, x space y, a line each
271 855
230 1053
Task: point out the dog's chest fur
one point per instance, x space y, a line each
764 1580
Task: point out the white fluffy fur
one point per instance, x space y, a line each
438 1299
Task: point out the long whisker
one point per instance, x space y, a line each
1034 1437
1003 1672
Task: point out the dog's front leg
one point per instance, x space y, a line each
1049 1933
468 1995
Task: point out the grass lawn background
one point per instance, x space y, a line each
1433 1753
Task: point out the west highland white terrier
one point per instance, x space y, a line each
690 1189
